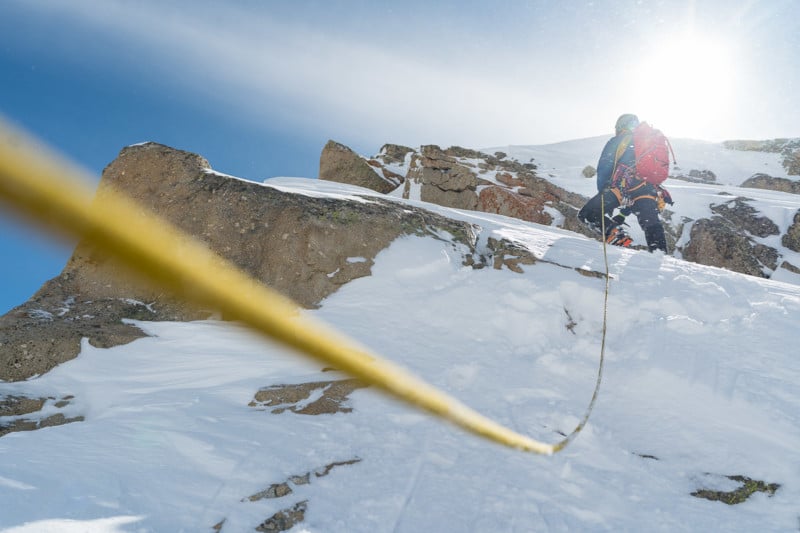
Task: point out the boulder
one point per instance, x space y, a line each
303 247
791 239
443 180
717 242
765 181
503 201
743 216
341 164
393 153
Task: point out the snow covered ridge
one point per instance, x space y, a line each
198 425
736 202
305 246
203 426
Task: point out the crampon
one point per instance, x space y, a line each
618 237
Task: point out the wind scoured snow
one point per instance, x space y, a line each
700 383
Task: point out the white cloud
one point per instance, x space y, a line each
369 87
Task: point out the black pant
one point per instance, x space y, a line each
644 207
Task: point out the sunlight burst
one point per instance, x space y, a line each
686 85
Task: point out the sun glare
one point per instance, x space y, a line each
685 85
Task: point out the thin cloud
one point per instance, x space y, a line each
367 87
266 70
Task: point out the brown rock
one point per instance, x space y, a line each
715 242
791 239
505 202
340 164
764 181
301 246
291 397
394 153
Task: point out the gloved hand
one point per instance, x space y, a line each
664 195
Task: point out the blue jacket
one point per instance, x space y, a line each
605 167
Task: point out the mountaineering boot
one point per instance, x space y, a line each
618 237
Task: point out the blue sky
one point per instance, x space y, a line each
258 87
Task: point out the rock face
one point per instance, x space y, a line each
339 163
468 179
444 181
307 247
791 239
726 240
301 246
763 181
788 148
697 176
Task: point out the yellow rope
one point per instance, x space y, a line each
53 192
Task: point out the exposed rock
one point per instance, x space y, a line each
286 519
511 256
790 267
791 239
393 153
293 397
506 202
725 240
443 180
747 487
17 411
744 216
461 152
25 424
716 242
791 162
589 171
20 405
301 246
340 164
469 179
284 488
764 181
788 148
508 180
695 176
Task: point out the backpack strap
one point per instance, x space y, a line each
674 161
621 147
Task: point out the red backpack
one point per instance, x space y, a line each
652 151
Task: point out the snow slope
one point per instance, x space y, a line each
562 163
700 383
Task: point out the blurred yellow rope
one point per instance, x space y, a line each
55 193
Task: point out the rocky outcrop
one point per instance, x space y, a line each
743 216
789 149
20 413
468 179
696 176
393 154
764 181
726 240
303 247
330 397
791 239
307 247
443 180
715 242
339 163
